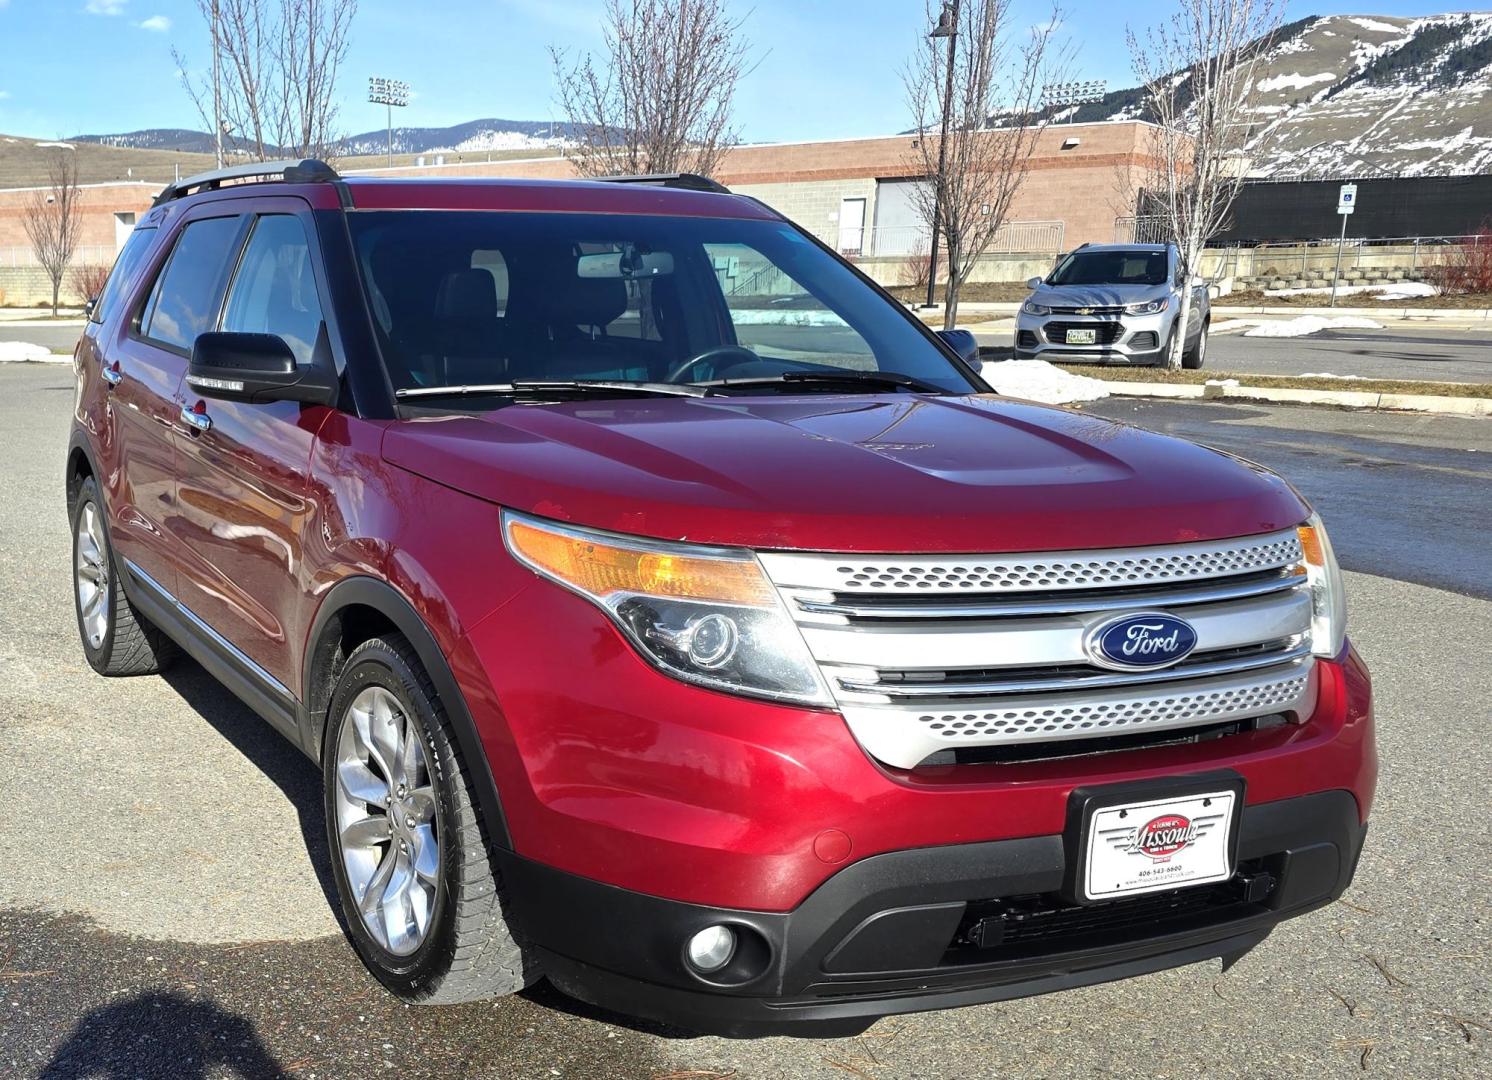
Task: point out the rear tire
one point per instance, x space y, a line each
117 640
391 760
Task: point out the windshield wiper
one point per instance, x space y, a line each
877 380
527 387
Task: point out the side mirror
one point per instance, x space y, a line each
963 343
88 306
255 368
1033 283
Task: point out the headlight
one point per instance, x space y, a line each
1148 307
1032 308
705 615
1328 599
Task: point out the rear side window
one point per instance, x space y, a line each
184 302
126 266
274 291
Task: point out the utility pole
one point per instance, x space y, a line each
947 28
217 92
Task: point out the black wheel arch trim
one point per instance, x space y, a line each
391 604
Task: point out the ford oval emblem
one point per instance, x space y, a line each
1148 639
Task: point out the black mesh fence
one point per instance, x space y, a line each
1388 207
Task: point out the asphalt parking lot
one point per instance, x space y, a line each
164 907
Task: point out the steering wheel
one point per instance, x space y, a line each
739 354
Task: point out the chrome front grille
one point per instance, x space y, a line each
924 654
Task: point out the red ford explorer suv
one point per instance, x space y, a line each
675 618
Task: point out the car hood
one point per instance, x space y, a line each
1097 295
879 473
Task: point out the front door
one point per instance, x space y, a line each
144 362
242 488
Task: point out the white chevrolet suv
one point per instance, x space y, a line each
1113 304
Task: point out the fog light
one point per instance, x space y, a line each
712 641
711 948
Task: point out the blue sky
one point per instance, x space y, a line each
827 68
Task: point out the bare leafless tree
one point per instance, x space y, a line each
51 219
280 60
1200 69
659 99
988 102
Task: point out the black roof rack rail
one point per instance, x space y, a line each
687 181
308 171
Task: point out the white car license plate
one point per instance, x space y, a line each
1162 844
1082 337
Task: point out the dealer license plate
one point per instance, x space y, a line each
1082 337
1147 847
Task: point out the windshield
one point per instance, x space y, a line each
495 297
1111 268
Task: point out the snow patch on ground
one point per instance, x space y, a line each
21 352
1229 326
1294 81
1402 290
1305 325
1036 380
1327 375
1380 27
784 317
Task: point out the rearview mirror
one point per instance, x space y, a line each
624 264
255 368
1033 283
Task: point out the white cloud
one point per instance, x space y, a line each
157 23
105 7
3 93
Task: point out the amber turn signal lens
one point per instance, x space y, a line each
603 570
1310 546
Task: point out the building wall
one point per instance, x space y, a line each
97 205
815 205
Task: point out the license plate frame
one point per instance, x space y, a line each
1210 856
1082 336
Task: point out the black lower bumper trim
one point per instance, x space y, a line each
905 931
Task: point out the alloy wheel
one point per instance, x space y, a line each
386 820
91 572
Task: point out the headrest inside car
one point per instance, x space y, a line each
589 301
466 295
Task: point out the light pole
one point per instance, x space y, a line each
947 28
217 93
1056 95
388 93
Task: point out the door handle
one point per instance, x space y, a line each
197 421
112 375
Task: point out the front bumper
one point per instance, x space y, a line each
892 933
1126 339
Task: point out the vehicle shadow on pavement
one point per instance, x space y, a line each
189 1038
271 753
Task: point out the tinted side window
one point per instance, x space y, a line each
126 266
184 301
274 291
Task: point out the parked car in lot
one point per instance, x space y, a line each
1114 304
674 617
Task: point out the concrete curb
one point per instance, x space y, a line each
1410 313
1381 312
1346 399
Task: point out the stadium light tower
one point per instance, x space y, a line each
1073 94
388 93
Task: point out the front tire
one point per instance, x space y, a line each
1194 357
421 898
116 639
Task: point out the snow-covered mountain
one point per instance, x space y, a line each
1359 95
474 136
